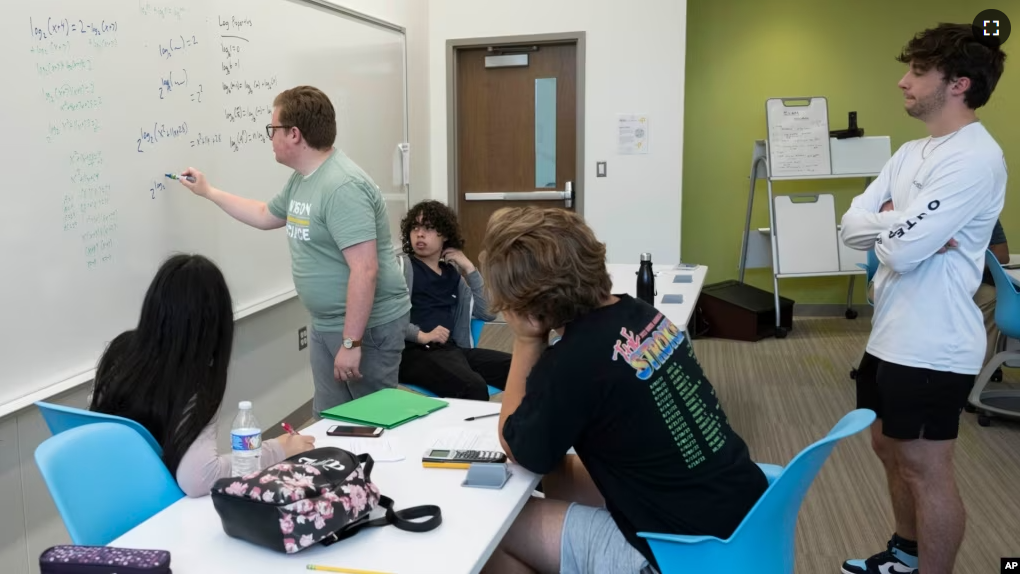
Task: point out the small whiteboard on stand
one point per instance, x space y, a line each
798 132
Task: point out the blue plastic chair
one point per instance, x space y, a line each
870 268
764 541
476 334
1004 403
60 418
476 331
105 480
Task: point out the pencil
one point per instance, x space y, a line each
446 464
481 416
344 570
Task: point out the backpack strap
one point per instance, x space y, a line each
402 519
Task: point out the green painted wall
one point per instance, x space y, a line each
742 52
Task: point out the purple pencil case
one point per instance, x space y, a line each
73 559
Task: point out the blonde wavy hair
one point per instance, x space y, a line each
543 263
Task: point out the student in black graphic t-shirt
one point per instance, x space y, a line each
654 449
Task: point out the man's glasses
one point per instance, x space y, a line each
271 128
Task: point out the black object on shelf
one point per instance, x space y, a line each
852 130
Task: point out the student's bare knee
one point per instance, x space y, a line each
535 536
883 446
925 463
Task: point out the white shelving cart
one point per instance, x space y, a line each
802 239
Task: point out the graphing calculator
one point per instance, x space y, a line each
460 458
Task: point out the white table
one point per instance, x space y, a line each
624 277
474 519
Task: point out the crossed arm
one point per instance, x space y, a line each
903 237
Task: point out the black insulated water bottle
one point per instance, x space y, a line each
646 280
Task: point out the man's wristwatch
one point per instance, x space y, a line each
350 343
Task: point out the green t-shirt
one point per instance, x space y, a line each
335 207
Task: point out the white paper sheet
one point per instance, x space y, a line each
382 449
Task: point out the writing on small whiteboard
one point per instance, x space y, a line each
798 138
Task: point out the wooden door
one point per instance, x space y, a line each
516 131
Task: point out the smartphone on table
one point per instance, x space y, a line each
355 431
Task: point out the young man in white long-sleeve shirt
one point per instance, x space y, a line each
929 217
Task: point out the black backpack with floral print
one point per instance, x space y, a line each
320 496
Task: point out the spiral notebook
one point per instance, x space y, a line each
388 408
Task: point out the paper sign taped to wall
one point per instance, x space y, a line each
632 134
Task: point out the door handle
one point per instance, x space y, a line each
567 196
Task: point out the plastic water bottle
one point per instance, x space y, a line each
245 441
646 280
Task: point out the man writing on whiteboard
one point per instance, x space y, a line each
344 267
929 217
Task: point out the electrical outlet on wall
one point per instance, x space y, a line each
302 338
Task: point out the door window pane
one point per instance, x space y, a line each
545 132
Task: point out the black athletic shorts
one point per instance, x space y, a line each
913 402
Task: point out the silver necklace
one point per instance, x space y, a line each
925 148
924 158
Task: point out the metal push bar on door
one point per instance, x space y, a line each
567 196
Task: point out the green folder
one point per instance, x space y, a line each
388 408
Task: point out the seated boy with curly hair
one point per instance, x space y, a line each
438 353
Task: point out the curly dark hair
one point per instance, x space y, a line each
435 215
954 50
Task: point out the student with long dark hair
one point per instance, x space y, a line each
170 372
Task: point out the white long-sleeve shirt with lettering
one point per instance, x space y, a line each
951 187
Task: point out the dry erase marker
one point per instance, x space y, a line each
190 178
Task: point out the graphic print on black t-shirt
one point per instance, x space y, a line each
647 352
624 389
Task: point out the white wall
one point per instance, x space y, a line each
413 16
267 367
634 64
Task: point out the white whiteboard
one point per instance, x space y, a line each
798 131
806 233
101 98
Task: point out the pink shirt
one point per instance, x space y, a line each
202 465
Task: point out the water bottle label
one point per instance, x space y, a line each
245 441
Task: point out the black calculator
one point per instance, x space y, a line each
450 456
